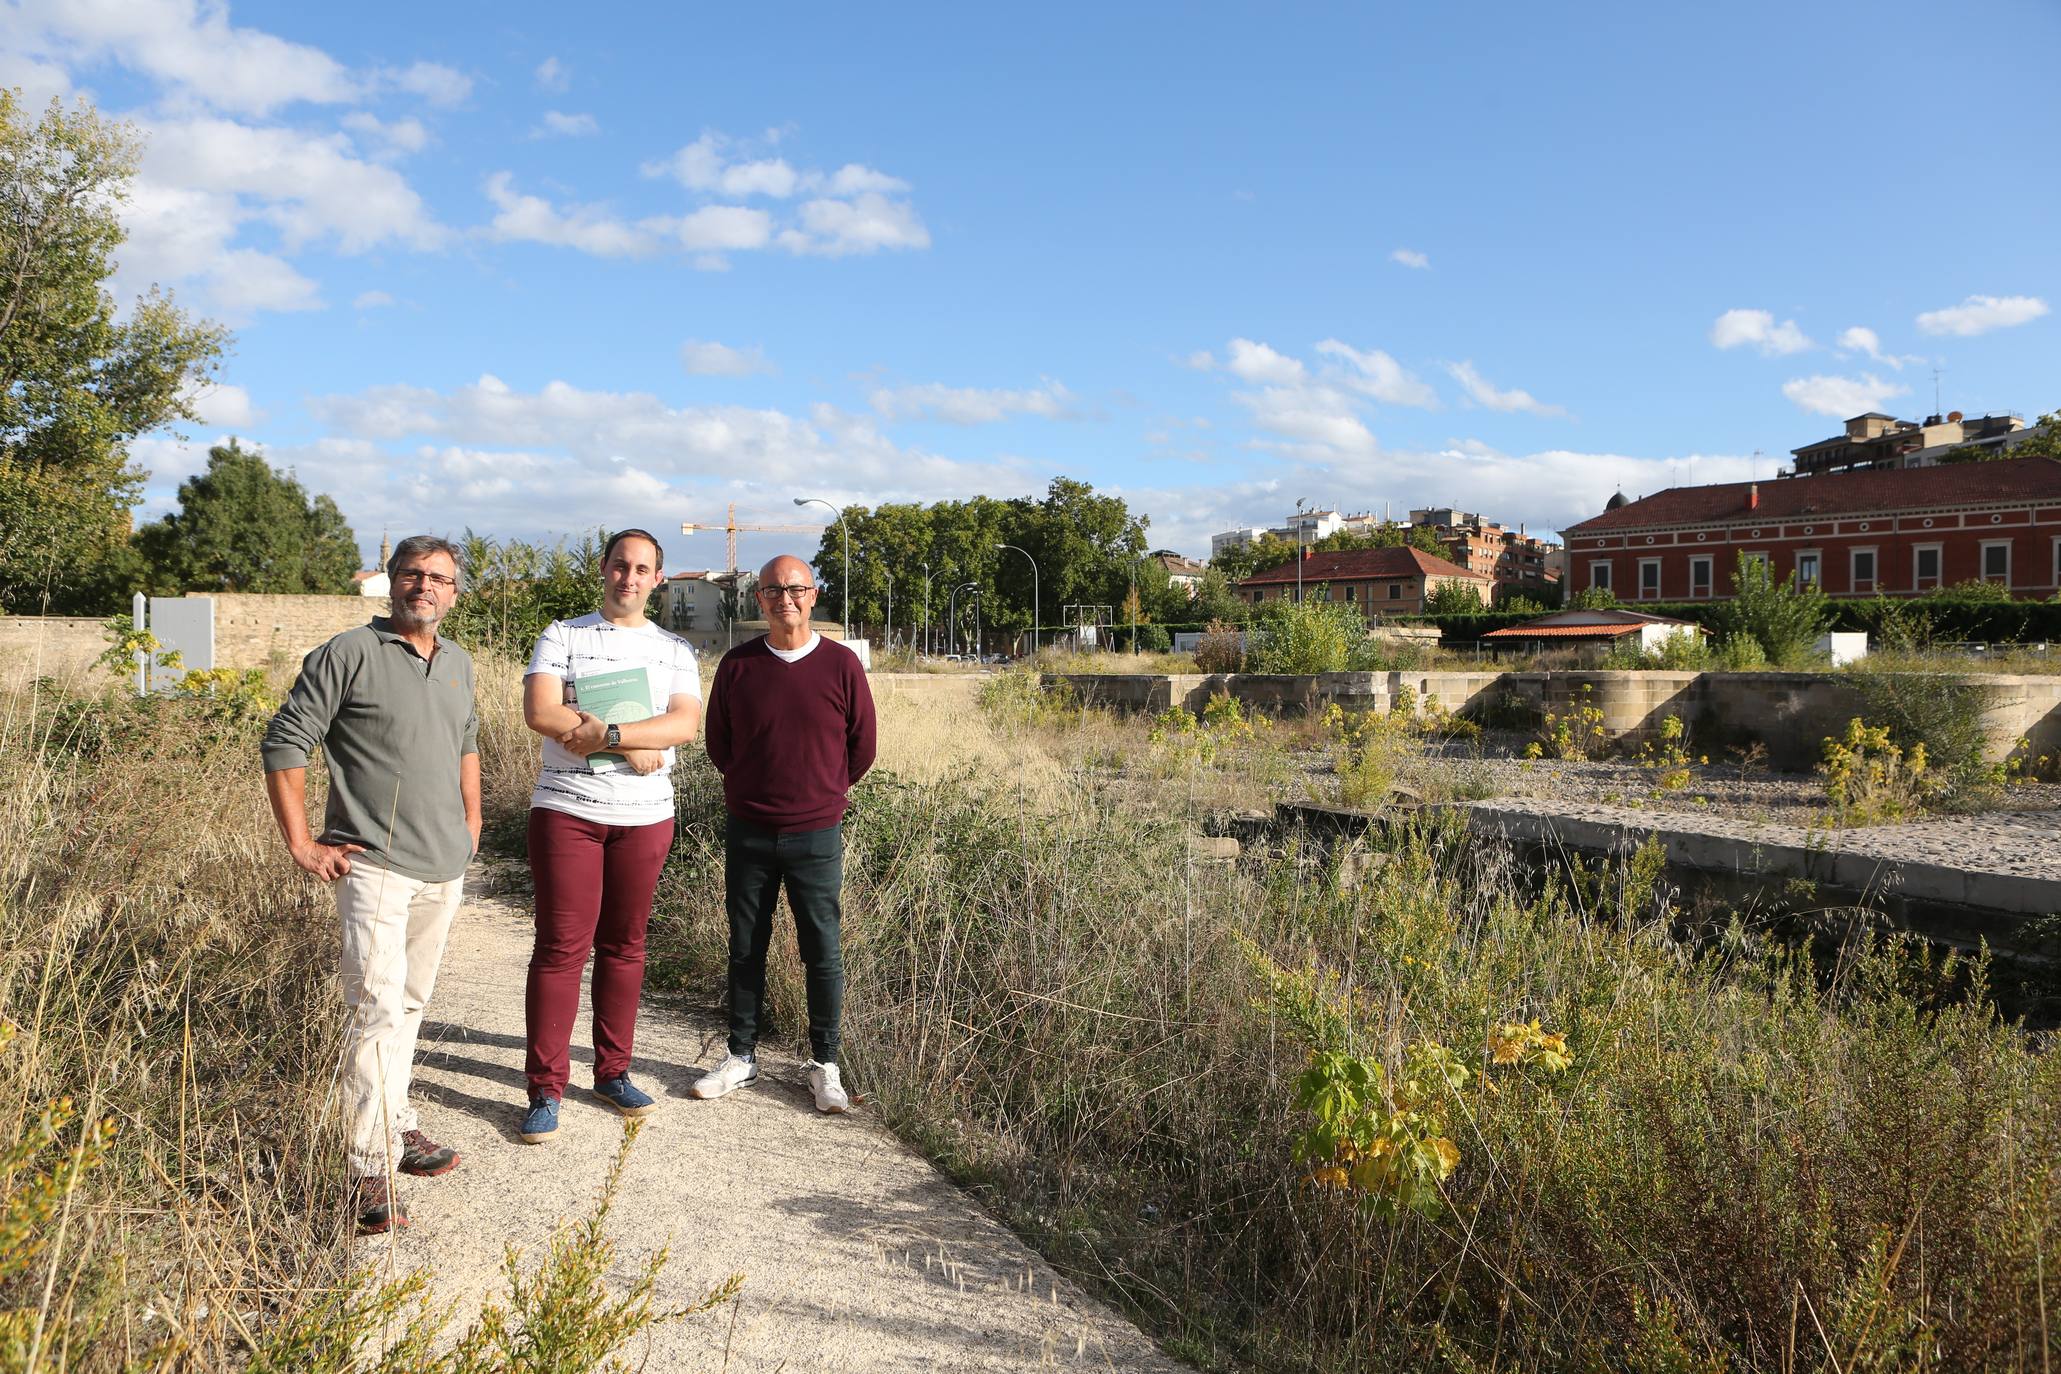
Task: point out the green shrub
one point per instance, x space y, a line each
1785 620
1935 711
1313 635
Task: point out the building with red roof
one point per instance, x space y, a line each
1392 581
1891 531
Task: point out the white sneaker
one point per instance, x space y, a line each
736 1071
830 1093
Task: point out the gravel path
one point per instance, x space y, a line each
856 1254
2020 839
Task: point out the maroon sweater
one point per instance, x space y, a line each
789 738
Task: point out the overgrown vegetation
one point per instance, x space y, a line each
1432 1117
171 1185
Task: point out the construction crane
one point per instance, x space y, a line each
730 528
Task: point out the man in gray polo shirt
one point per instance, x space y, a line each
390 704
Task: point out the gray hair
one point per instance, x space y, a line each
416 545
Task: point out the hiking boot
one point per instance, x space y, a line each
829 1090
423 1157
625 1096
736 1071
540 1122
379 1211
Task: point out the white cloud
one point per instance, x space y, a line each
551 75
371 300
243 282
855 209
865 224
186 44
1256 362
1980 314
561 459
1380 376
971 405
433 81
1841 397
704 358
1736 328
523 218
1317 422
308 185
1860 339
222 406
711 164
1410 257
559 125
184 236
1201 360
384 138
720 228
1485 393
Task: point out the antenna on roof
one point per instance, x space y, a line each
1756 465
1935 388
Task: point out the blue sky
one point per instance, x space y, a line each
491 268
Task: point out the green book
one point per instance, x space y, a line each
615 698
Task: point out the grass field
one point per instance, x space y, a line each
1437 1117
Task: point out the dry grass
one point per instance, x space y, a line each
171 972
1104 1038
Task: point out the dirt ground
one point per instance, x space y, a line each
856 1254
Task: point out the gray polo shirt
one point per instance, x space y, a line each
394 728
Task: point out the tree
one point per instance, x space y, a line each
513 590
241 527
1455 598
1243 560
77 385
2044 442
1784 620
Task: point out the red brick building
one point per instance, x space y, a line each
1394 581
1898 532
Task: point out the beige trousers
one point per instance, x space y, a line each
394 929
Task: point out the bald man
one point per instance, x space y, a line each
790 726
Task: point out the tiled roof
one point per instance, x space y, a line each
1562 632
1838 493
1354 564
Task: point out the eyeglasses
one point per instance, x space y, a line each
437 580
777 592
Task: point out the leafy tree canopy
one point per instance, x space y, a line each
242 527
77 384
1088 549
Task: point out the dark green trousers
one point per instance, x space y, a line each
757 861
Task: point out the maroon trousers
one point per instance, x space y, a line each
594 884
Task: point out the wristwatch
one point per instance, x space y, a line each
614 738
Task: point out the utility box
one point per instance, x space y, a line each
1842 646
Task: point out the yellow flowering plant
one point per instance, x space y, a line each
1383 1139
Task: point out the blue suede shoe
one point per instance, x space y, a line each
540 1123
625 1096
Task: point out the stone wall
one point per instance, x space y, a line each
1790 714
252 631
49 645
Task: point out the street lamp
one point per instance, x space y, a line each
1034 595
846 576
1300 502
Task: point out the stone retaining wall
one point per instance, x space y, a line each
49 645
252 631
1791 714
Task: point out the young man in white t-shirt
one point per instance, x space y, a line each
597 839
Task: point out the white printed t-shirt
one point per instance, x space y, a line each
572 649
